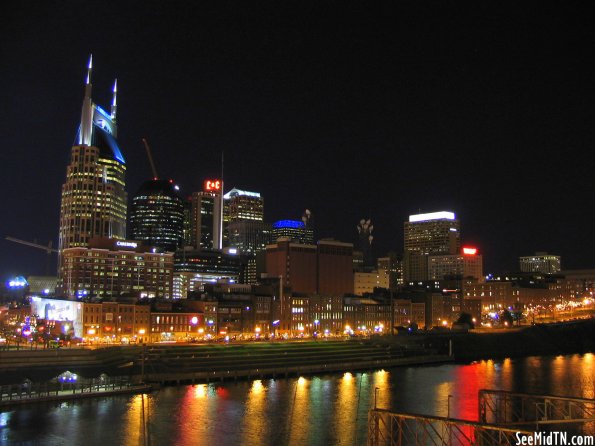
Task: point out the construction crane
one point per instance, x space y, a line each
48 249
155 176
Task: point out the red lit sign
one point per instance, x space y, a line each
469 251
212 185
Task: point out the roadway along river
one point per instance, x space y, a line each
319 410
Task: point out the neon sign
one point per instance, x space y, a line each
212 185
127 244
469 251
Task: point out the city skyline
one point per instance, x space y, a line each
350 116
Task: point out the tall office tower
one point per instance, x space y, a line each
206 216
243 205
428 234
541 262
157 215
297 231
245 229
94 196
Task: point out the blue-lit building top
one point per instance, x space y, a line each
294 224
295 230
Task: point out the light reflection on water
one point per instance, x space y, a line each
319 410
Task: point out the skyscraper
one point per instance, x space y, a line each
428 234
244 217
93 195
157 215
243 205
206 216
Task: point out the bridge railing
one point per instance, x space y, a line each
509 408
402 429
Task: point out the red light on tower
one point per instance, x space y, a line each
212 186
469 251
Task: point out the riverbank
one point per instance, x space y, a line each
177 363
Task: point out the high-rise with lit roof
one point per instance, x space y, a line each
245 228
243 205
93 195
296 230
428 234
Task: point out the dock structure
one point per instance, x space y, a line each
30 392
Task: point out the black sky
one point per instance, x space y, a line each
350 109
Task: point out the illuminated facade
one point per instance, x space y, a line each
243 205
365 316
175 325
541 262
195 268
93 196
157 215
245 229
95 321
112 268
428 234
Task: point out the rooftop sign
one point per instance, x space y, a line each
442 215
212 185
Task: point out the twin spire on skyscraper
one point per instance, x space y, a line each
88 111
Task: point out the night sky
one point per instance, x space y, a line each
350 109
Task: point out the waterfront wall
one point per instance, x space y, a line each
537 340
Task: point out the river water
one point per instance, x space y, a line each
314 410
